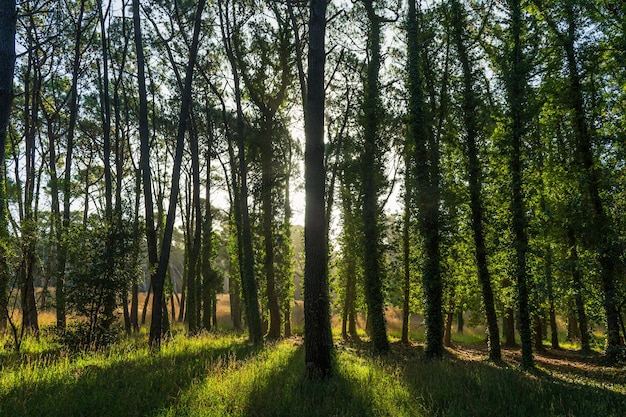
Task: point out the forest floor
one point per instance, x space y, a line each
222 375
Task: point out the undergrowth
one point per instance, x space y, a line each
223 375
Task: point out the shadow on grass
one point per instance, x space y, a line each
286 392
455 386
128 387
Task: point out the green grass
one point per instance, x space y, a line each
222 375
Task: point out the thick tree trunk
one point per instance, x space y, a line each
370 180
8 18
267 186
509 328
427 189
318 343
516 92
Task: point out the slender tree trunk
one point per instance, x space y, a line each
577 281
248 280
105 105
447 334
472 129
406 254
318 343
194 275
554 335
208 274
156 327
144 163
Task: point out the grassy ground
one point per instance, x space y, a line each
222 375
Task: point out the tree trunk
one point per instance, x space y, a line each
406 254
605 237
268 231
156 327
554 335
8 17
472 131
516 94
248 280
208 274
509 328
370 180
318 343
577 285
447 335
427 189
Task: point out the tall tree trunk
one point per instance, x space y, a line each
406 253
156 327
153 257
370 180
105 105
472 129
69 151
427 189
248 280
318 342
267 180
591 183
194 276
516 93
208 274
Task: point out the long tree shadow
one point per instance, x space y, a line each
286 392
133 387
455 386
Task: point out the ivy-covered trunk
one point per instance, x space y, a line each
604 235
474 169
426 176
516 95
370 182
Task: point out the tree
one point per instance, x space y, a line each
516 76
158 282
248 281
371 183
426 177
318 342
474 169
8 17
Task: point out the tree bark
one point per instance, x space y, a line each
248 280
156 327
472 129
426 176
577 281
516 94
370 183
318 343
